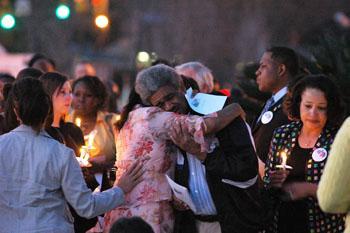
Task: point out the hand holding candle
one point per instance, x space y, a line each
85 151
284 158
83 159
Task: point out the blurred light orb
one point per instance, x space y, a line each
101 21
62 11
143 56
8 21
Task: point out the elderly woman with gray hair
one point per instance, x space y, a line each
145 134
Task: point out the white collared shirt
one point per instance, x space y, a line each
199 189
279 95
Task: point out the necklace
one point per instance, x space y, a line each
307 140
307 143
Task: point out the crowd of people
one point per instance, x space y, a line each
69 165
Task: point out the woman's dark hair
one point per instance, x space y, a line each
51 82
96 87
11 121
30 101
335 105
134 99
131 225
6 90
29 73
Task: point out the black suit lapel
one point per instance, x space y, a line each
273 108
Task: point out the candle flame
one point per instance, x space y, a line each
78 121
284 159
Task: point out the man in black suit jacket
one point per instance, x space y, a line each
278 66
230 171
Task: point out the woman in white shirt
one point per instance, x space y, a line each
38 175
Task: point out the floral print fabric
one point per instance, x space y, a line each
145 136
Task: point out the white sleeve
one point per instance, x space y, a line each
76 192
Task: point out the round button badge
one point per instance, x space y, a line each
319 154
267 117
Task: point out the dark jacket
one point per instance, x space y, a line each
262 133
239 210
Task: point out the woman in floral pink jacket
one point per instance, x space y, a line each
145 135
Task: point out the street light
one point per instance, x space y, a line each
62 12
7 21
143 57
101 21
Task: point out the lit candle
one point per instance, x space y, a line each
83 159
78 121
284 160
84 153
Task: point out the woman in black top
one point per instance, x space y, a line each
315 105
58 88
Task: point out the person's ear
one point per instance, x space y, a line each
281 70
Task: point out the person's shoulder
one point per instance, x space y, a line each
12 135
345 127
73 131
290 126
284 130
49 140
69 126
148 109
7 136
146 112
347 122
59 150
59 153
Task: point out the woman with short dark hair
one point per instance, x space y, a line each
316 107
89 99
335 106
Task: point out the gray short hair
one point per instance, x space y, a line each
149 80
200 73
